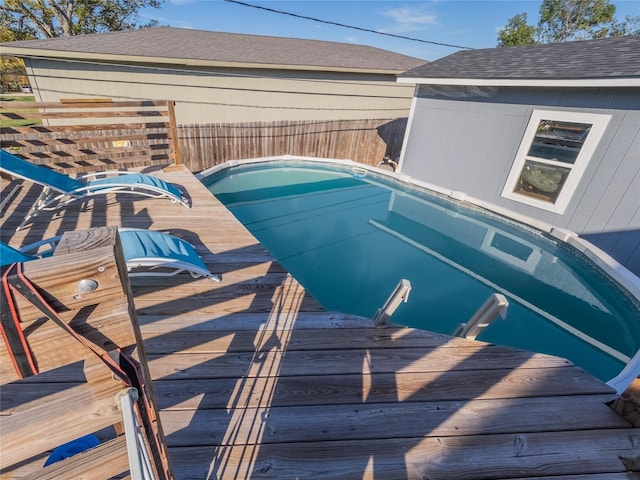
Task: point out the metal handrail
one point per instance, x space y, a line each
139 461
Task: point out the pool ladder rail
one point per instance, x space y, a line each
400 294
495 305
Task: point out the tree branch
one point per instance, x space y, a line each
40 24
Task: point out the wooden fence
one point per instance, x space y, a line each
365 141
88 135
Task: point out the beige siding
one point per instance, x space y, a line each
229 96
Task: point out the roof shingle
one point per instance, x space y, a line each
617 57
178 43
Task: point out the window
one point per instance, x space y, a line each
553 155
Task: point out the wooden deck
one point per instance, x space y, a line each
255 380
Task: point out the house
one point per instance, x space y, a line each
547 132
222 77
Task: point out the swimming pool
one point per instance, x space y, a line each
349 234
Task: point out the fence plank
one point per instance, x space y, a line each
81 136
365 141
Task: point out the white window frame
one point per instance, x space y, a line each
528 265
599 124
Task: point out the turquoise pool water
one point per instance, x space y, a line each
348 239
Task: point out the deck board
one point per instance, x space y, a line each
355 389
255 380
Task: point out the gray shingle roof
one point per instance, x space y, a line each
588 59
177 43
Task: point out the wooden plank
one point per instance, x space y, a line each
91 154
531 455
71 373
20 396
35 132
222 300
88 100
243 285
75 115
326 362
52 346
387 420
82 410
8 196
320 339
99 265
65 159
43 144
107 460
153 324
175 148
372 388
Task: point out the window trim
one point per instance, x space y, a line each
599 124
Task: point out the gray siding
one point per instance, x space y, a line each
466 139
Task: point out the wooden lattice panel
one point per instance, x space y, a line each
91 135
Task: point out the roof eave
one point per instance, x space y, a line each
526 82
36 53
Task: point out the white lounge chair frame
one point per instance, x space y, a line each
153 266
54 196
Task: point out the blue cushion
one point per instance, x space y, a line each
39 174
149 243
136 179
72 448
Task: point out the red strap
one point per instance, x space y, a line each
25 288
12 333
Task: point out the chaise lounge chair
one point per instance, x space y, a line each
60 189
146 252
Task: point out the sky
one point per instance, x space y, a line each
463 23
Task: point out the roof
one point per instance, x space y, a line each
198 47
587 62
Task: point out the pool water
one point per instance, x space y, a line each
349 238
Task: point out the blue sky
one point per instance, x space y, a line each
469 23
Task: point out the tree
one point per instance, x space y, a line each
562 20
64 18
517 32
629 26
14 28
12 71
565 20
